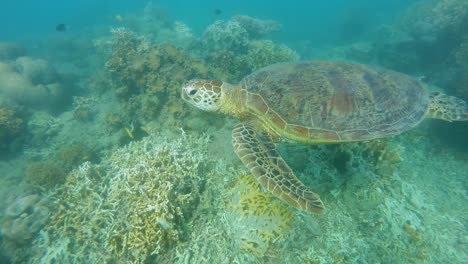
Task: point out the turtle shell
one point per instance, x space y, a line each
334 101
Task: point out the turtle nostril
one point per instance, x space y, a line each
192 92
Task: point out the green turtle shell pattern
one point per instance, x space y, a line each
320 102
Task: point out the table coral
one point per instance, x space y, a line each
133 207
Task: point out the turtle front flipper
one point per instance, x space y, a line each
260 156
448 108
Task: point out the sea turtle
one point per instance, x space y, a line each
316 102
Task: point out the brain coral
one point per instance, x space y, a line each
9 51
132 208
25 217
38 71
31 82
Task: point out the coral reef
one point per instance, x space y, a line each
24 218
46 174
31 82
38 71
430 43
126 63
71 155
257 218
133 207
42 126
83 107
429 20
257 28
234 35
225 35
234 66
10 51
461 58
113 121
148 78
262 53
10 124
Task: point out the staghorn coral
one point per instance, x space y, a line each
257 28
138 202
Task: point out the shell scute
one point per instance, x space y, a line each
335 101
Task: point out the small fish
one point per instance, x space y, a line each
119 18
218 11
61 27
144 129
129 132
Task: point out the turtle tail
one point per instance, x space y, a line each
448 108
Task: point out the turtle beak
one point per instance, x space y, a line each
184 94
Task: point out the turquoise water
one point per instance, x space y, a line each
103 161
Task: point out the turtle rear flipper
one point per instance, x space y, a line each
260 156
448 108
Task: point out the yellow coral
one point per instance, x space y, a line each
272 218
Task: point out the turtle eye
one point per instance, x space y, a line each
193 92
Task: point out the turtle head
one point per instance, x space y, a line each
204 94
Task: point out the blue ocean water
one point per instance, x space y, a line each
103 158
304 19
